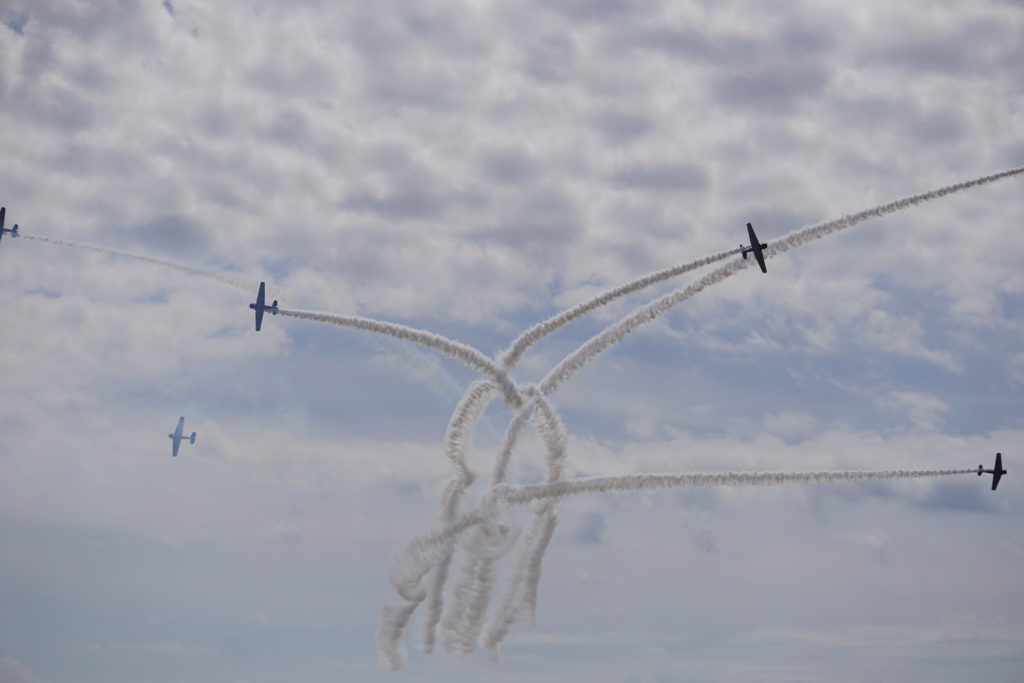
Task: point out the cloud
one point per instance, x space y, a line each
960 497
13 671
925 412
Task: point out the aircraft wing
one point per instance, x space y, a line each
997 471
261 302
759 255
176 437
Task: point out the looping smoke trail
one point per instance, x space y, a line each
464 620
511 357
522 592
518 495
159 262
460 352
645 314
466 416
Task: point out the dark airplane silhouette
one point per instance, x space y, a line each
997 471
755 247
261 305
13 231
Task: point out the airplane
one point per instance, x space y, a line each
261 305
13 231
177 437
997 471
755 247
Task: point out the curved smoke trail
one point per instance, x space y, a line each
649 312
458 351
473 592
463 421
515 351
159 262
459 632
522 590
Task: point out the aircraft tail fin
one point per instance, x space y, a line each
192 439
3 214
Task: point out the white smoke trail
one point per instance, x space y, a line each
795 239
460 352
637 482
159 262
461 426
519 602
521 591
645 314
407 572
511 357
464 620
467 414
393 620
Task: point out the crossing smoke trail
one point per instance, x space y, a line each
522 590
645 314
424 551
518 495
464 622
464 421
466 416
511 357
159 262
460 352
544 517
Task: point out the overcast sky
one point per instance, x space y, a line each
469 168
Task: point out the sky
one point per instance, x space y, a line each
470 168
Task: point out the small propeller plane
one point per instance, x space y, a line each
177 437
755 247
261 305
13 231
997 471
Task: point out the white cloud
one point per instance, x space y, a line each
469 167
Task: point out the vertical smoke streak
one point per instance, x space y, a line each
523 592
644 314
393 620
464 620
465 418
519 601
